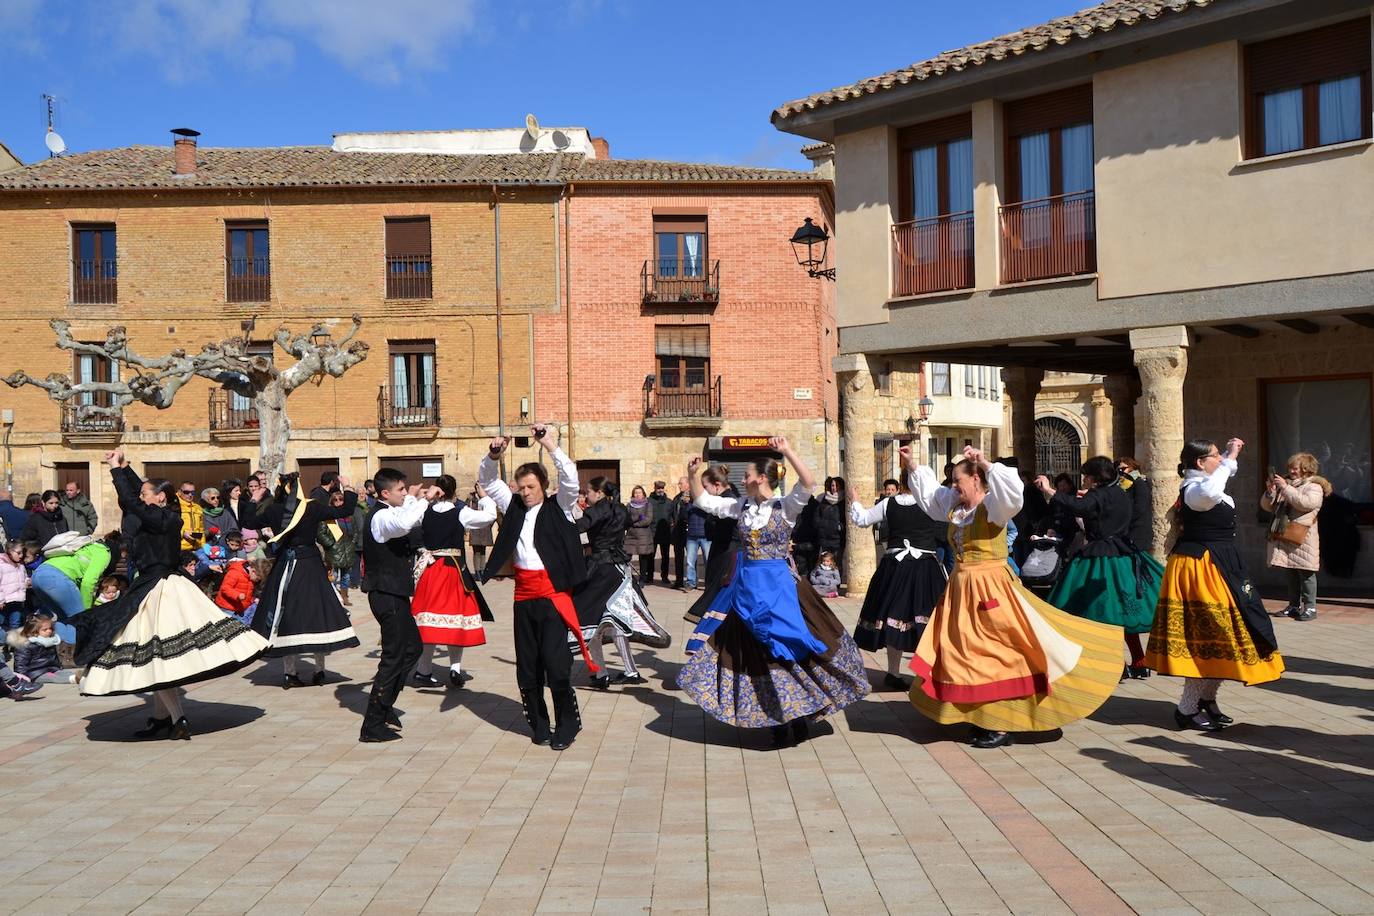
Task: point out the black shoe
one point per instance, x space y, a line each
290 681
1289 611
567 717
691 618
424 680
155 728
801 730
536 715
893 682
989 739
1306 613
623 679
1135 672
181 731
782 736
600 682
1214 713
377 736
21 689
456 679
1199 720
393 719
318 679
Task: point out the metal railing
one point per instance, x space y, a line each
95 281
680 280
248 279
933 254
407 406
409 276
692 402
74 422
229 412
1050 237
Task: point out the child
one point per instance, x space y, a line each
825 578
35 652
14 583
233 546
110 588
237 592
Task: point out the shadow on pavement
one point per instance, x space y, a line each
1325 668
204 718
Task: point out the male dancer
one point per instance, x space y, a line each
389 581
548 564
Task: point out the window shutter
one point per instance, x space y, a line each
1341 49
407 237
679 223
1073 105
941 130
683 340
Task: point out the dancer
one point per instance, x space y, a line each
1108 578
389 582
1210 624
163 632
769 653
908 582
723 536
994 655
299 611
543 542
448 607
610 603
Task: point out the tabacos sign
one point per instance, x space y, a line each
743 443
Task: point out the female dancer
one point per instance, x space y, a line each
610 603
722 535
448 607
993 654
908 583
299 611
769 653
1108 578
163 632
1210 624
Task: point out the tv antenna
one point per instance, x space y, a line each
53 140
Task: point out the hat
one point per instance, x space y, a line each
659 485
66 544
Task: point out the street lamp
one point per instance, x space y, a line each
925 405
807 237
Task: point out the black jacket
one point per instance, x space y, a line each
42 527
154 545
1106 514
1142 513
605 523
274 515
555 538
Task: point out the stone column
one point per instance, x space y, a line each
1100 435
1161 356
1023 384
1123 391
858 425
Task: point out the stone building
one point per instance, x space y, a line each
1172 196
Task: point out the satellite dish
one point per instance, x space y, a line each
54 142
532 126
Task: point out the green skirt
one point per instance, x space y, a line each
1117 590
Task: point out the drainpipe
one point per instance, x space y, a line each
567 306
500 362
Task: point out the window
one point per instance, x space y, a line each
1050 145
883 380
1309 89
247 262
983 382
968 381
95 267
89 367
680 247
936 168
939 378
1327 417
412 374
409 273
239 405
995 382
683 353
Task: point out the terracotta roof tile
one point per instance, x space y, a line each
1081 25
650 170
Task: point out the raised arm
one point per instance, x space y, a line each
934 500
489 475
397 521
1006 495
346 510
804 476
128 485
483 515
1206 494
568 483
865 518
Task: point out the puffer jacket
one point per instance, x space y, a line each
14 581
1298 503
236 589
34 656
639 537
192 524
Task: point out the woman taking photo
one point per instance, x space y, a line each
163 632
769 653
1294 545
1210 625
993 654
722 534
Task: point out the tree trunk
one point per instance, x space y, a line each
274 431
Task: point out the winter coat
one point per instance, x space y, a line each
14 519
44 526
34 656
1300 504
826 581
682 505
338 549
222 518
236 589
80 514
696 522
14 580
665 516
192 522
830 519
639 536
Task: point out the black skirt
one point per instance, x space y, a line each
299 610
899 601
720 566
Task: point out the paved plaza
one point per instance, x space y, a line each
274 807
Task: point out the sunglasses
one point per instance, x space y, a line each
188 492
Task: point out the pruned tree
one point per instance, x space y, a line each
155 381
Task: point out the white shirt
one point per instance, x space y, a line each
754 513
867 518
1204 491
468 517
389 522
489 476
1004 498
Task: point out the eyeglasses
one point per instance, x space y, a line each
188 492
214 499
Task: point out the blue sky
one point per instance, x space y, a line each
687 81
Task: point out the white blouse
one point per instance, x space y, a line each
867 518
1004 499
756 514
468 517
1205 491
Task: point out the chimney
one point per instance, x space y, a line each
822 156
184 150
600 148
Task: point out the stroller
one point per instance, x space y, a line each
1041 567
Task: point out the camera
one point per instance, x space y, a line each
539 432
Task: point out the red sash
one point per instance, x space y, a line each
535 583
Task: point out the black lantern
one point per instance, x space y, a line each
809 244
925 405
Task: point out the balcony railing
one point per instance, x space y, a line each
932 255
407 407
683 404
95 281
1051 237
680 280
409 276
231 412
74 422
248 279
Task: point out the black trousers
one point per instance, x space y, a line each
542 656
400 651
679 567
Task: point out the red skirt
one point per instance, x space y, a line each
446 613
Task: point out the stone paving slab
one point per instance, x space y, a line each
273 806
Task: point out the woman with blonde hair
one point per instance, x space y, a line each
1294 544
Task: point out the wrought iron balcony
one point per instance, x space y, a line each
933 254
230 413
76 421
95 281
684 404
668 280
1050 237
409 276
402 407
247 279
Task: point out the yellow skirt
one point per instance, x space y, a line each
989 633
1199 631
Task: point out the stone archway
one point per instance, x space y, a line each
1058 447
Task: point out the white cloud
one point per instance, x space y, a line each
19 25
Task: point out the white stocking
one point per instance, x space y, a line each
597 653
455 658
894 661
627 659
170 701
